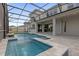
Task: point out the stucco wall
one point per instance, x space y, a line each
34 30
72 26
58 26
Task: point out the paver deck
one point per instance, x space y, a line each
72 42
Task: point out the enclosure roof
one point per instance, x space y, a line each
18 13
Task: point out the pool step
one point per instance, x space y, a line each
12 38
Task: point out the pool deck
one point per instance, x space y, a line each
56 50
3 45
71 41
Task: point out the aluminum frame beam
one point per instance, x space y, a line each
45 5
17 18
21 9
15 22
18 14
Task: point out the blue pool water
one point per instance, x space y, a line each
25 45
30 35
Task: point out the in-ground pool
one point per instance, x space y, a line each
25 45
30 35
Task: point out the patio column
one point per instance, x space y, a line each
42 27
54 26
36 27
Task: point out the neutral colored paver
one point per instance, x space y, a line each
68 40
3 45
56 50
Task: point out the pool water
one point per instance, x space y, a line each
25 45
30 35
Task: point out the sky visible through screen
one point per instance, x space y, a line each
29 7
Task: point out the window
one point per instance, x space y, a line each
70 6
65 26
39 28
33 19
50 12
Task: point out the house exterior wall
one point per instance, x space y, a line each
27 26
58 26
21 29
72 23
34 27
